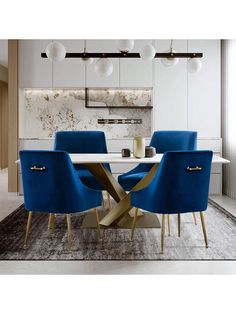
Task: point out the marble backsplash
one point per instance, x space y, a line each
43 112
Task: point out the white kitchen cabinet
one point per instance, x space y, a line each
92 78
204 90
136 72
34 72
170 90
69 72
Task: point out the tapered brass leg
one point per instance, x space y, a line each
134 223
168 220
97 221
51 223
28 228
204 228
68 218
162 233
109 200
103 206
178 225
195 219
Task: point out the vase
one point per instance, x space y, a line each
139 147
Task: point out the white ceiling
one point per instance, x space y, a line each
4 52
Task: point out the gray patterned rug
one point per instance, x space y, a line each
116 244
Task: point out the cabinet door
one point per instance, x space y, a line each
92 78
136 72
170 90
204 89
33 70
69 72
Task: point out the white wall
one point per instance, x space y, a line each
229 115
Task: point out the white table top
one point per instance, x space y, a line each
117 158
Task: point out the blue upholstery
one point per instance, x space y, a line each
83 142
174 189
163 141
58 188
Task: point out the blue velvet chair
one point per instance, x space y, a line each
181 185
163 141
52 185
83 142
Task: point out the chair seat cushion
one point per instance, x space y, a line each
128 181
89 180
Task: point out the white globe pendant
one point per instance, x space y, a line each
147 52
169 62
194 65
55 51
103 67
125 45
86 61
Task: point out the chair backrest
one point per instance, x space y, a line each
81 142
181 183
165 141
50 182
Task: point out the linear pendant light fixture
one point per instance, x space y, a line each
55 51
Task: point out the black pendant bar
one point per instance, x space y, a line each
128 55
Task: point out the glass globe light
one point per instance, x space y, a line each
170 62
194 65
55 51
86 61
125 45
103 67
147 52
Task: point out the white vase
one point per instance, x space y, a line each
139 147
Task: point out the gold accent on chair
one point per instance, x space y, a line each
97 221
194 218
69 232
162 233
103 205
168 221
28 228
51 223
204 228
109 200
134 223
178 225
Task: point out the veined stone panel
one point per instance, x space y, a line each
46 111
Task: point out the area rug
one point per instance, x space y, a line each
116 243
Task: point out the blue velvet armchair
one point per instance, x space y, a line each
83 142
52 185
163 141
181 185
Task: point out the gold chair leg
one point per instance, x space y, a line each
97 221
134 223
168 221
103 206
68 218
204 228
194 218
162 233
178 225
51 223
28 228
109 200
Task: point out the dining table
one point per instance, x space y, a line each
121 213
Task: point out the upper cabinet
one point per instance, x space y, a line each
170 89
92 78
34 72
69 72
204 89
136 72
